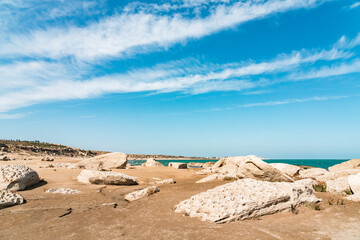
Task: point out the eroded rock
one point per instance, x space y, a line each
17 177
288 169
178 165
106 178
351 164
8 199
247 198
141 193
151 162
103 162
63 191
312 173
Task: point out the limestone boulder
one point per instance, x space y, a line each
351 164
312 173
17 177
151 162
246 199
63 191
8 199
105 178
249 167
141 193
104 162
288 169
354 182
166 181
178 165
338 186
337 174
208 164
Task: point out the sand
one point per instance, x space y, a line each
93 215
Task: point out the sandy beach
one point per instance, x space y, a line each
100 211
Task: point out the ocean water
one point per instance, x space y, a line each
320 163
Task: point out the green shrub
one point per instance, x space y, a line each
320 187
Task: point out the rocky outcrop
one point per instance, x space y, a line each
312 173
105 178
288 169
247 198
17 177
141 193
103 162
4 158
63 191
351 164
47 159
354 182
178 165
8 199
151 162
249 167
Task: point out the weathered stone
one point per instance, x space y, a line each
17 177
141 193
103 162
178 165
249 167
105 178
63 190
4 158
312 173
351 164
195 164
208 164
47 159
336 174
151 162
354 182
166 181
247 198
211 178
338 186
288 169
8 199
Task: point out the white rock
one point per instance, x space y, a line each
141 193
312 173
151 162
288 169
166 181
178 165
17 177
63 190
249 167
351 164
211 178
8 199
200 173
104 161
247 198
4 158
337 186
337 174
354 182
208 164
105 178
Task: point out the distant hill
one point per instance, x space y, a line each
44 148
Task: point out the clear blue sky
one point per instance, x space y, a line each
276 78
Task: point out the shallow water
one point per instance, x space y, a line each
320 163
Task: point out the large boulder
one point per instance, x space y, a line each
354 182
151 162
208 164
312 173
288 169
351 164
249 167
17 177
8 199
338 186
105 178
178 165
103 162
337 174
141 193
247 198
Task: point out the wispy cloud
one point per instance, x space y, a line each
357 4
130 32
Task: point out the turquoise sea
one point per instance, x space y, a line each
321 163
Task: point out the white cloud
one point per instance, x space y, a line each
121 34
357 4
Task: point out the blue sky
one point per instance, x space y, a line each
276 78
